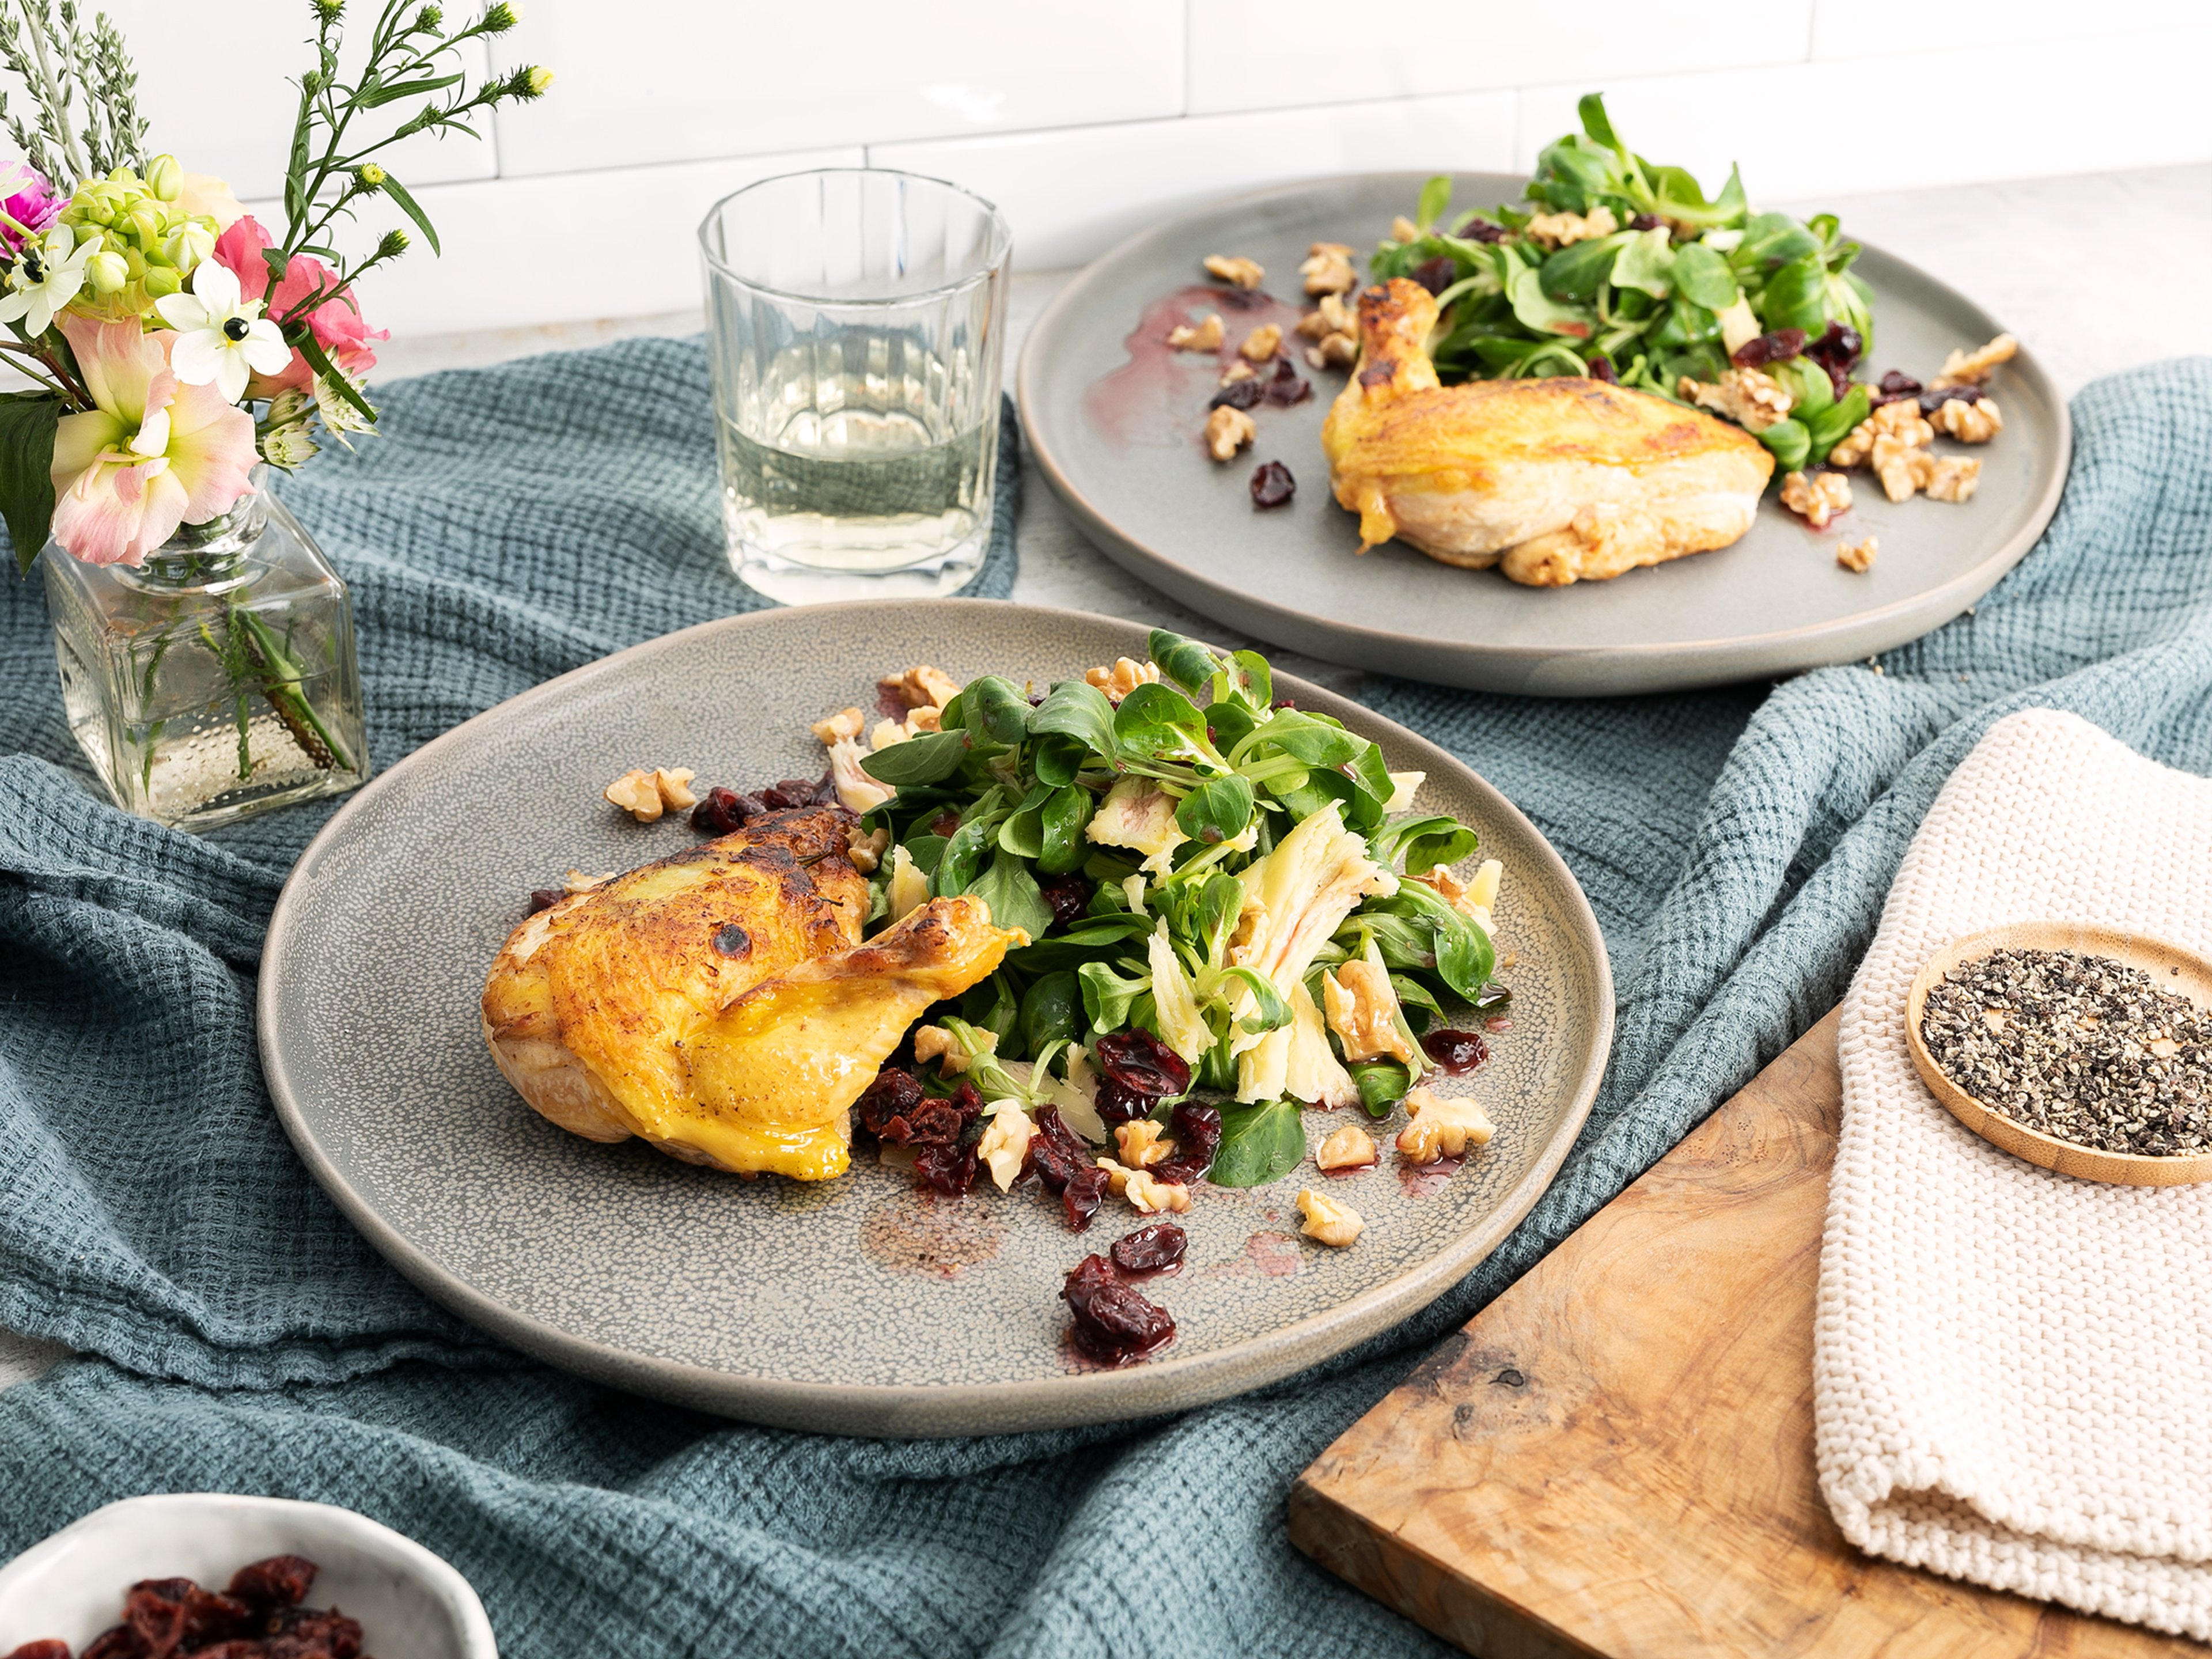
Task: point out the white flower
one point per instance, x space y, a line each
341 417
47 276
222 339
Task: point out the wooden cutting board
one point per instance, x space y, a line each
1615 1457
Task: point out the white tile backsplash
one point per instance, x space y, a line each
1881 28
691 78
1274 54
1072 195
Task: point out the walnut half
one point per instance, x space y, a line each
1234 268
647 795
1327 269
1350 1148
1751 398
1205 336
1440 1128
1124 677
1858 556
1816 497
1971 422
1227 431
1261 344
1146 1195
1973 368
1326 1221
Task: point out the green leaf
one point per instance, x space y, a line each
1596 123
1790 443
373 98
1417 845
1058 758
1704 276
1012 892
1157 722
963 856
928 758
1796 296
1646 263
994 708
1415 997
1464 956
1434 201
1676 196
1108 996
1259 1143
1079 711
1022 834
1216 810
1574 272
1051 1011
1537 311
27 458
1186 662
306 346
1246 678
1830 426
1307 738
1383 1084
1770 241
1686 322
1270 1012
1060 826
1807 384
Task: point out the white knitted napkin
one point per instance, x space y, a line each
2012 1369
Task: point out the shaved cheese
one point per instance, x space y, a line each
1182 1028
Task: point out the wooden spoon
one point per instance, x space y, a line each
2154 957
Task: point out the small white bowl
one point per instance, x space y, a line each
411 1604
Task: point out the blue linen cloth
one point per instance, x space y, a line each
1735 844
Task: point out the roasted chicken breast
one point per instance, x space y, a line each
594 1009
1555 481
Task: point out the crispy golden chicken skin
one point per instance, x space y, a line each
1556 481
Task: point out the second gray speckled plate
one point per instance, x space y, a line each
856 1306
1113 420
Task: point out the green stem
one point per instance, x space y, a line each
282 677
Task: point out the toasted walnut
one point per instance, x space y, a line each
887 732
1335 351
1332 317
1007 1136
928 718
1234 268
1858 556
1146 1195
867 850
1350 1148
1239 370
1327 269
1854 446
1474 897
845 723
1403 229
646 796
935 1043
1973 368
1362 1008
1902 422
1200 337
922 686
1557 230
1975 422
1124 677
1816 497
1227 431
1440 1128
1326 1221
1751 398
1261 344
1142 1143
1903 468
1953 478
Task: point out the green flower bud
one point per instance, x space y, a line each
160 281
144 222
288 447
134 257
531 83
429 20
106 272
328 8
165 177
369 176
393 244
501 17
288 406
194 240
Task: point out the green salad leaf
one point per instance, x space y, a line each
1259 1143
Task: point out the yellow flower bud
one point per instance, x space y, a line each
165 177
106 272
536 79
371 176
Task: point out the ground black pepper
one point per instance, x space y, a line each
2078 1047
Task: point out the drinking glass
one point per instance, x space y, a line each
857 319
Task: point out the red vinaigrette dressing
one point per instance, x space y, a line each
1157 399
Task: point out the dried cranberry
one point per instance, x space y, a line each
1149 1248
946 825
47 1649
1055 1151
541 898
1646 221
1084 1192
1118 1104
791 792
1895 383
155 1610
947 1170
1436 275
1286 386
282 1581
1936 396
1271 484
1600 368
1777 347
968 1101
720 812
120 1643
1068 896
1456 1052
1838 347
1475 228
893 1095
1142 1064
1112 1323
305 1633
1281 704
1239 394
1196 1130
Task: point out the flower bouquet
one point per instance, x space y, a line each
177 353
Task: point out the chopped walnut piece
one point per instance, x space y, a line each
1440 1128
1201 336
1973 368
1007 1136
1335 351
1403 229
1350 1148
1904 468
1146 1195
1751 398
1234 268
922 685
1816 497
1326 1221
1239 370
1362 1008
887 732
928 718
1141 1144
1227 431
1124 677
1559 230
1953 478
1975 422
845 723
1474 897
1855 445
935 1043
1333 317
1327 269
867 850
1261 344
1858 556
646 796
1902 421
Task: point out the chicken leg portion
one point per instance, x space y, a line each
1556 481
776 1073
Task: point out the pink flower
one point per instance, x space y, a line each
151 455
30 205
336 323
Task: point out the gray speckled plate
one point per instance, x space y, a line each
856 1305
1113 420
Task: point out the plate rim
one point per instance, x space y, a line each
1593 668
1158 1387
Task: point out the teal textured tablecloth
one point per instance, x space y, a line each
519 520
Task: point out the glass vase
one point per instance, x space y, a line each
217 679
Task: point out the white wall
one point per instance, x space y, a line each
1084 121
